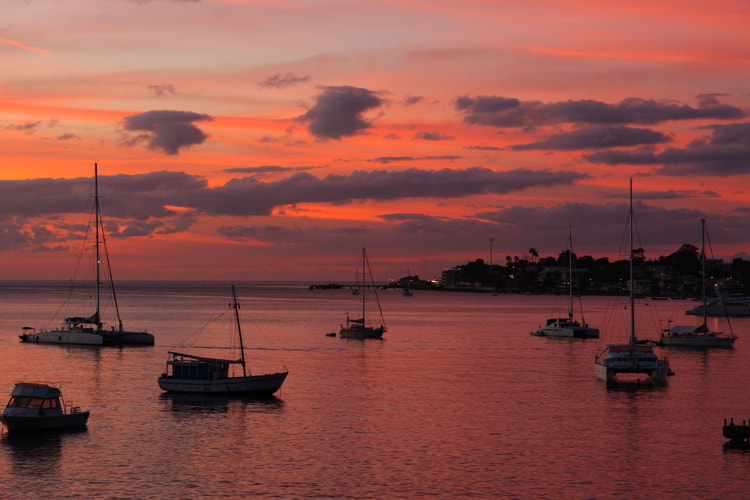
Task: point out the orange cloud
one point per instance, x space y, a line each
638 55
25 47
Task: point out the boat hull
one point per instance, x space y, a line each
578 333
89 338
130 338
631 364
37 423
63 337
362 332
656 376
687 340
259 385
734 309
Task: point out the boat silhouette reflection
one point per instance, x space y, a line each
40 452
186 403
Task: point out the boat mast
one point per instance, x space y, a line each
632 283
364 263
96 233
570 272
100 233
111 280
239 332
703 271
374 289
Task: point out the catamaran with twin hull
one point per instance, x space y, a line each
568 327
90 330
634 361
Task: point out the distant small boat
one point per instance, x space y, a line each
736 433
357 328
34 407
91 330
723 306
188 373
568 327
407 285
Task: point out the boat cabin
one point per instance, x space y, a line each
88 324
35 398
561 322
688 329
35 406
189 367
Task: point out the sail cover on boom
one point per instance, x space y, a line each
93 319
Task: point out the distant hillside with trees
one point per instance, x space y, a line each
675 275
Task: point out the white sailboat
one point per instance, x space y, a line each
358 328
568 327
698 335
634 361
187 373
723 306
90 330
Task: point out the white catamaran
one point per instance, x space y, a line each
634 361
90 330
568 327
187 373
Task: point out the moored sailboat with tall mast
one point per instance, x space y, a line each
91 330
358 328
698 335
633 361
568 327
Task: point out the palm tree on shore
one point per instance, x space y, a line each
534 254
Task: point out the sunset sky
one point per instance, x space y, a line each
272 140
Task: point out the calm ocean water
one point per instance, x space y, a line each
458 400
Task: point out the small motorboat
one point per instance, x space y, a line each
35 406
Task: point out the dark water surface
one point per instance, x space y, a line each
456 401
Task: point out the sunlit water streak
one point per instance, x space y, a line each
458 400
